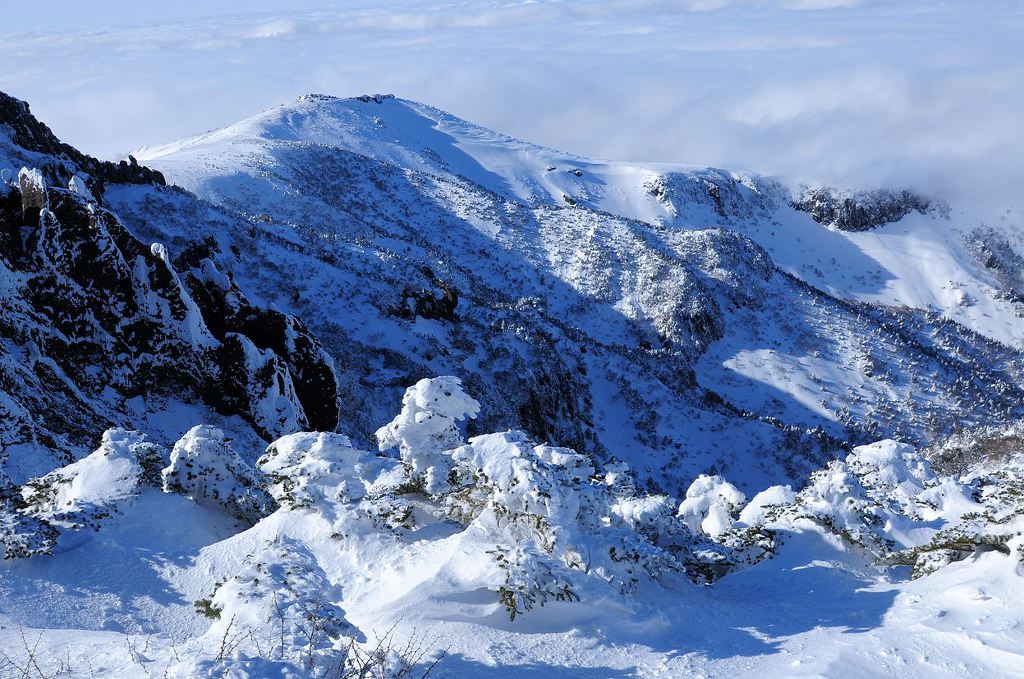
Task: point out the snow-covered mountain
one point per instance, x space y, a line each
679 318
695 377
890 247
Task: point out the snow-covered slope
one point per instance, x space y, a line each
669 316
643 460
922 261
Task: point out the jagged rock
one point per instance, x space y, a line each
30 134
310 369
863 210
33 192
92 317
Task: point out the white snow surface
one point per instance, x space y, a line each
355 552
428 541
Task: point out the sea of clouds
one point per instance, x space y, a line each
925 94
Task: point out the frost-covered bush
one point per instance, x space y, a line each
755 512
428 426
532 578
78 496
84 492
22 535
277 615
206 469
711 506
895 475
309 468
561 531
885 500
990 519
506 473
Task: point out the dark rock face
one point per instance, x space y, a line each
436 301
91 317
861 211
303 366
32 135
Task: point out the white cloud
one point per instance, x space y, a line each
274 29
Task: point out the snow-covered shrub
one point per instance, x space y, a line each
22 535
532 578
206 469
894 474
428 426
989 520
711 506
78 496
85 492
883 499
308 468
836 501
505 473
279 608
755 512
562 532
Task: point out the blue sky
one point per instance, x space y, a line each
926 94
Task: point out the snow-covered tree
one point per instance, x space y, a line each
276 616
206 469
711 506
428 426
308 468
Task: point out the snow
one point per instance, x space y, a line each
710 504
516 555
713 278
508 566
920 261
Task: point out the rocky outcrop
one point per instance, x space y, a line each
994 252
64 161
863 210
711 197
293 359
91 317
437 300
